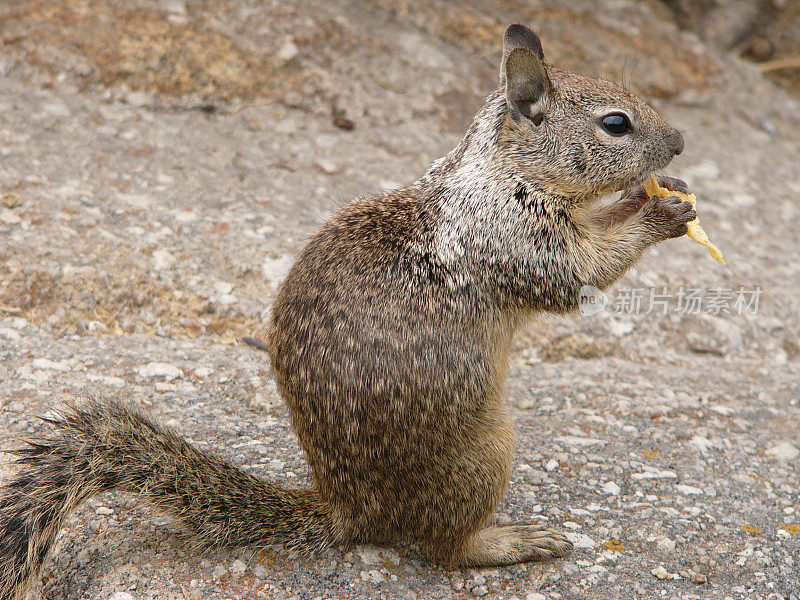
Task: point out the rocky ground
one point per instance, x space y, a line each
161 163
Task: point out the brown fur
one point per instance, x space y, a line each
389 340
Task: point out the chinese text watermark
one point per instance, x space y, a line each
684 301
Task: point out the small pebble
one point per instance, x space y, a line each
260 571
374 576
661 573
219 572
238 568
694 576
288 51
610 487
581 541
784 451
160 370
665 545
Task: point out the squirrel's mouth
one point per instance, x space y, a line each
635 187
631 199
628 198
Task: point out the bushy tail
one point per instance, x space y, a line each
106 446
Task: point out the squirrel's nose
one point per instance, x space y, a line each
675 142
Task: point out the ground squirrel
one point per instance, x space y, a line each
389 341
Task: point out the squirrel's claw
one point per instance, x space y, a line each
673 184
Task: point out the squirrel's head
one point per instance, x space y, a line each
578 136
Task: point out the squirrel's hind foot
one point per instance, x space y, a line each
508 545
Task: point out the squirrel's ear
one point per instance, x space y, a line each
527 84
519 36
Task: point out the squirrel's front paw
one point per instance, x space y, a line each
667 217
673 184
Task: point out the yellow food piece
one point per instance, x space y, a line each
695 229
750 529
792 529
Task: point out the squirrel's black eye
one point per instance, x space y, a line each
616 124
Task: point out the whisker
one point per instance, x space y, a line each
633 70
624 65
